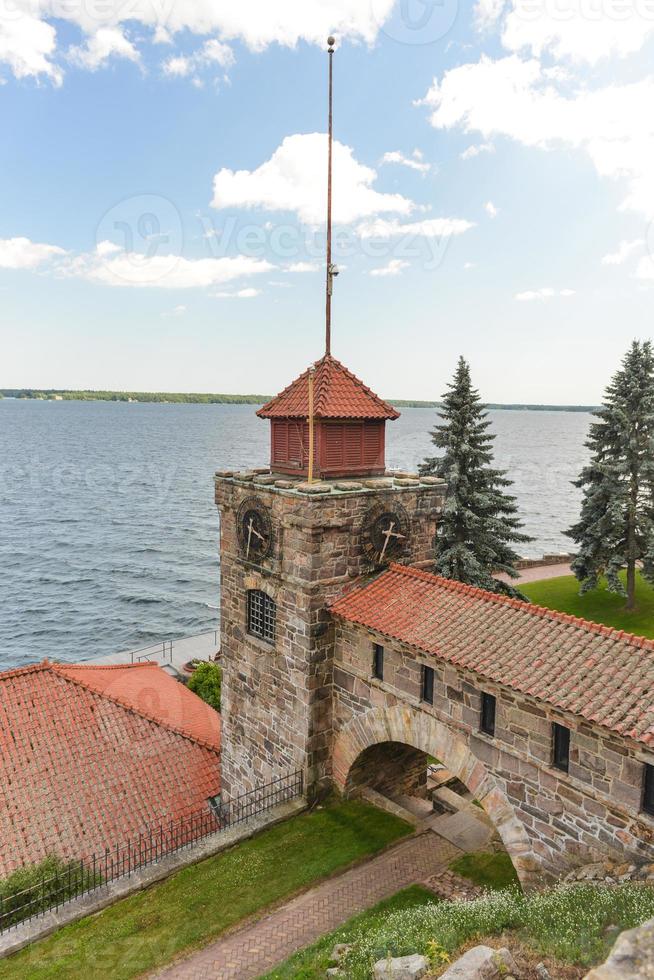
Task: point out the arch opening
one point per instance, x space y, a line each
389 750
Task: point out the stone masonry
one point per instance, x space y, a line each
277 699
549 820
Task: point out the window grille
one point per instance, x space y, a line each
262 615
488 706
561 736
427 684
378 661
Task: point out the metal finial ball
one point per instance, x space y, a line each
331 41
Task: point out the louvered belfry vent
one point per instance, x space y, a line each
349 424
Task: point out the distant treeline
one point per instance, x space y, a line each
198 398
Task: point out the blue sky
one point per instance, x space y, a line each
162 193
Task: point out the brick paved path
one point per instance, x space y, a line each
259 947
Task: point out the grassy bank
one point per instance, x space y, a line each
197 904
599 606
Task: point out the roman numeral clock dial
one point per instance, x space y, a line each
254 530
385 534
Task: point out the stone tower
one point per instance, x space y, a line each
288 547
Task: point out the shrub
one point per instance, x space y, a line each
576 924
206 682
38 887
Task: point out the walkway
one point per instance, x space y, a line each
259 947
538 573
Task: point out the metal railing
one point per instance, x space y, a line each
81 876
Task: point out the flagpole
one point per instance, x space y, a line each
330 273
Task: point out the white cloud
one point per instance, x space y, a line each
624 250
393 268
414 162
302 267
27 45
176 311
115 267
491 210
645 267
487 12
469 265
430 228
578 30
476 149
543 294
295 177
212 53
28 39
247 293
516 98
106 43
21 253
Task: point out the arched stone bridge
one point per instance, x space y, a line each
564 768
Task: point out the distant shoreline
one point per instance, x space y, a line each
191 398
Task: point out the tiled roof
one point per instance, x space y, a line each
92 756
337 394
598 673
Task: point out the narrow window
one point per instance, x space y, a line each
561 736
487 724
428 684
378 661
215 805
648 789
262 615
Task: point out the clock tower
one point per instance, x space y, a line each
295 534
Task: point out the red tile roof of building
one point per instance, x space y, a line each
92 756
338 394
603 675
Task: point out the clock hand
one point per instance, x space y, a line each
250 530
260 536
387 534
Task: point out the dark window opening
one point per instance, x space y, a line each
561 736
215 805
428 684
378 661
488 703
648 789
262 615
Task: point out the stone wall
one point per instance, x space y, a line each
277 699
569 818
392 769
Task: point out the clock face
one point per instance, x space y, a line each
254 529
385 533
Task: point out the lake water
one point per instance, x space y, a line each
109 533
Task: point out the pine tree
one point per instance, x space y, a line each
616 526
479 523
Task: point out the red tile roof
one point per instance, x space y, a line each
598 673
338 394
92 756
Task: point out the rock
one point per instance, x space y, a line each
482 963
313 487
264 480
543 972
261 469
225 473
401 967
284 484
350 485
381 484
632 957
432 481
340 951
245 476
406 482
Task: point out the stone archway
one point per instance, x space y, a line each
422 731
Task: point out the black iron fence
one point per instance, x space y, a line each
71 879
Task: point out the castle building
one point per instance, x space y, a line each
345 658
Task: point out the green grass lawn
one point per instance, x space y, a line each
198 903
312 962
487 870
599 606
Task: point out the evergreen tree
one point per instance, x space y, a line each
479 523
616 526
